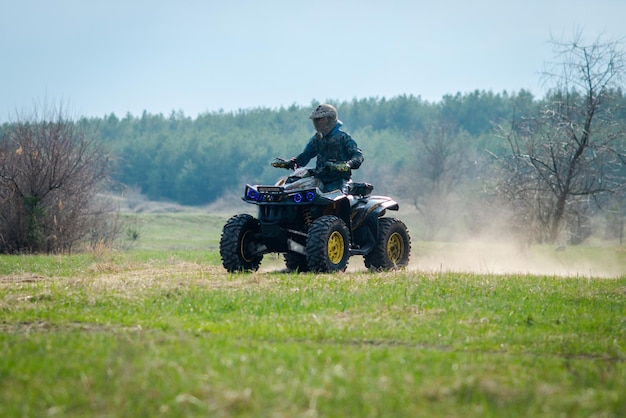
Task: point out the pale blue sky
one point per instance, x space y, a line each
98 57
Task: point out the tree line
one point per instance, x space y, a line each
196 160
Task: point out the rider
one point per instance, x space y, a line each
337 153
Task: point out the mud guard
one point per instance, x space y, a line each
364 226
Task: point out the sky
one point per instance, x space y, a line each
93 58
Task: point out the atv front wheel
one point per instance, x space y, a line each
328 245
393 246
238 245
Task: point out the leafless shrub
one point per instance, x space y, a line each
51 171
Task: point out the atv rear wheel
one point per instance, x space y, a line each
393 246
296 262
238 245
328 245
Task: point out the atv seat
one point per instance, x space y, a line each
360 189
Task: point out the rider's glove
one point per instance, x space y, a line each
343 167
280 163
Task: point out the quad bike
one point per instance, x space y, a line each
316 231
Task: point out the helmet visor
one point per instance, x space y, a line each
321 125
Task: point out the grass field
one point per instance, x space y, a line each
162 330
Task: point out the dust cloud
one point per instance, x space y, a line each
482 257
485 240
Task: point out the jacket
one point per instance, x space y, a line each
336 146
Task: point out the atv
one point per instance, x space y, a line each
316 231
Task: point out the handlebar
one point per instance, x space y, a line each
330 165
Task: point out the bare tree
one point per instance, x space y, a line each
50 173
438 165
568 155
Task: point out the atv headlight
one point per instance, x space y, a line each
297 198
252 194
309 196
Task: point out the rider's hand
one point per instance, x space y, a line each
343 167
280 163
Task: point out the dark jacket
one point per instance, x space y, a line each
336 146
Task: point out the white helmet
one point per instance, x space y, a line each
324 118
324 111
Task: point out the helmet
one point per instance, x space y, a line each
324 118
324 111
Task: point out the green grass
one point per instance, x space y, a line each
161 331
176 231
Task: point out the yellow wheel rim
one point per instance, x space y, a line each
242 247
336 247
395 248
